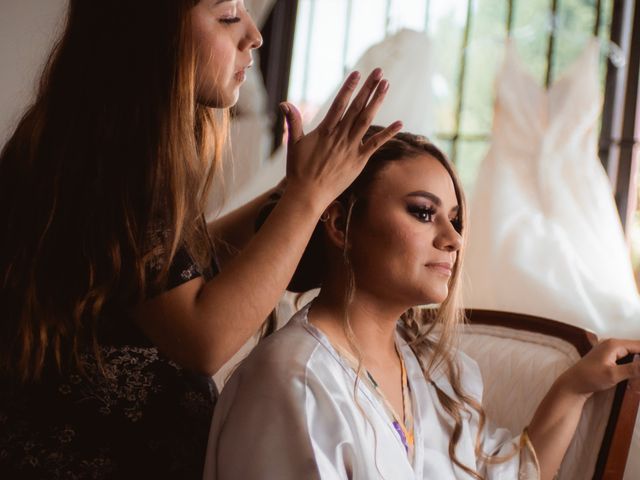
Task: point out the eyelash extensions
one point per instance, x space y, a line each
230 21
422 213
425 215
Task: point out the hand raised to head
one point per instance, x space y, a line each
324 162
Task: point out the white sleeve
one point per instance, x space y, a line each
507 457
276 426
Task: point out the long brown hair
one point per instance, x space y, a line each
107 172
430 332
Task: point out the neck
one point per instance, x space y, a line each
373 322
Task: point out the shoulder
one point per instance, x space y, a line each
470 376
278 391
291 348
280 380
284 362
469 368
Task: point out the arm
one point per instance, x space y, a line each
201 325
236 228
555 421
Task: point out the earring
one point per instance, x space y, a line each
324 217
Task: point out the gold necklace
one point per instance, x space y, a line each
402 425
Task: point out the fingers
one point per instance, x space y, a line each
294 122
361 99
339 105
364 120
629 371
621 347
630 346
634 381
380 138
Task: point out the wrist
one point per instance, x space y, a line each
566 386
307 198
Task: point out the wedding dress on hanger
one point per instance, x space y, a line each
407 61
545 236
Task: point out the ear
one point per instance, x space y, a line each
336 224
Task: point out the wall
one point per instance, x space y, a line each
27 31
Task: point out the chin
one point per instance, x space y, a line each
217 104
231 100
224 100
432 298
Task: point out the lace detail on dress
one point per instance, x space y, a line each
126 384
144 416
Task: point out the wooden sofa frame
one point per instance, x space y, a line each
614 449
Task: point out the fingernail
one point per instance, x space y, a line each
354 77
377 74
285 108
384 86
397 125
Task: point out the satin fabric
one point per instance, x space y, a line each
289 412
545 237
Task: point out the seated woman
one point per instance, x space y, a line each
362 383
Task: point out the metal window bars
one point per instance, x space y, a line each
619 125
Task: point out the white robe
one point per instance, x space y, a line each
288 412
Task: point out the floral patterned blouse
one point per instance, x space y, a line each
145 417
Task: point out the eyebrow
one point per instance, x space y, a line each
430 196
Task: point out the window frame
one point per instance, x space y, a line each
618 144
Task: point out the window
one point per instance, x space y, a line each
549 35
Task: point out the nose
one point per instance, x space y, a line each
448 239
253 37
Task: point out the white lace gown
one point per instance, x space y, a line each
288 413
545 236
406 58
